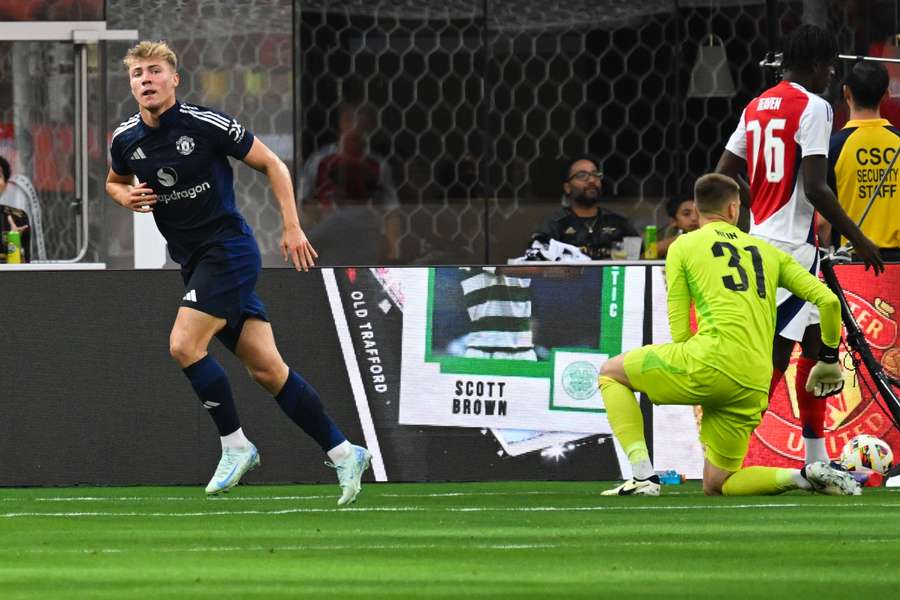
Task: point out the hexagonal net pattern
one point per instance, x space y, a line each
707 122
418 70
38 143
467 108
233 57
476 105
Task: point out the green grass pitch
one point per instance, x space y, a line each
486 540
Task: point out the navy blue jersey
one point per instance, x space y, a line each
185 162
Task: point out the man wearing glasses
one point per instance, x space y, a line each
583 223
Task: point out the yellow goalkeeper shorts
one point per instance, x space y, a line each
669 375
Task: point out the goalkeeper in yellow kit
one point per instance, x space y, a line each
726 366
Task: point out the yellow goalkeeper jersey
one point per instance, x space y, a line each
731 278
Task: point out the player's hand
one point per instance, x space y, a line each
295 247
141 198
826 377
868 252
13 226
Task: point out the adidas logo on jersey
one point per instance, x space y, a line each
236 131
138 154
191 296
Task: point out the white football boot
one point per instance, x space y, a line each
350 472
232 466
636 487
826 479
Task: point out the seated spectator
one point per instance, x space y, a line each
583 223
682 218
22 212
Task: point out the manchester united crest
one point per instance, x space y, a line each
185 145
779 438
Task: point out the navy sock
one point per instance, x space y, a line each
302 404
211 384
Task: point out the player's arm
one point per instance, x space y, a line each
662 246
139 198
815 182
824 230
679 296
814 137
800 282
826 376
733 161
734 166
294 244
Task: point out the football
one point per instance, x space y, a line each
867 452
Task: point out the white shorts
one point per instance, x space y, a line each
794 313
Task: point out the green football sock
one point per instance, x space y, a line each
626 420
759 481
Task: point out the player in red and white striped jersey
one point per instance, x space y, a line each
781 143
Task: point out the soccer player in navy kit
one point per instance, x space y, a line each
171 159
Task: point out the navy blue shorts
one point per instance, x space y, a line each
221 282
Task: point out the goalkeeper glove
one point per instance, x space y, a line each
826 377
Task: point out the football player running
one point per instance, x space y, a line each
171 159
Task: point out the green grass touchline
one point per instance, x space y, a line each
480 540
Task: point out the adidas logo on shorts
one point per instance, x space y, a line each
191 296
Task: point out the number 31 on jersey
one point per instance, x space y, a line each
734 261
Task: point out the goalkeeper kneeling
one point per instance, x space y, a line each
726 366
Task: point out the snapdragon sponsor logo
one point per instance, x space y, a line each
167 176
191 193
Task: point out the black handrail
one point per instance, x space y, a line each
856 340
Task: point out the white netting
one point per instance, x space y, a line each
234 57
38 142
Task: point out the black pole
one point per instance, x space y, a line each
866 26
856 340
485 122
296 121
678 101
772 24
772 37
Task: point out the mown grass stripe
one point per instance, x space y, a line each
471 509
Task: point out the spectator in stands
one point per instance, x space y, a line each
4 175
348 192
583 223
682 219
21 211
859 154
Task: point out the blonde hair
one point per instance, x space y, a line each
147 49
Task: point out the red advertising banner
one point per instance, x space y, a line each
874 302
